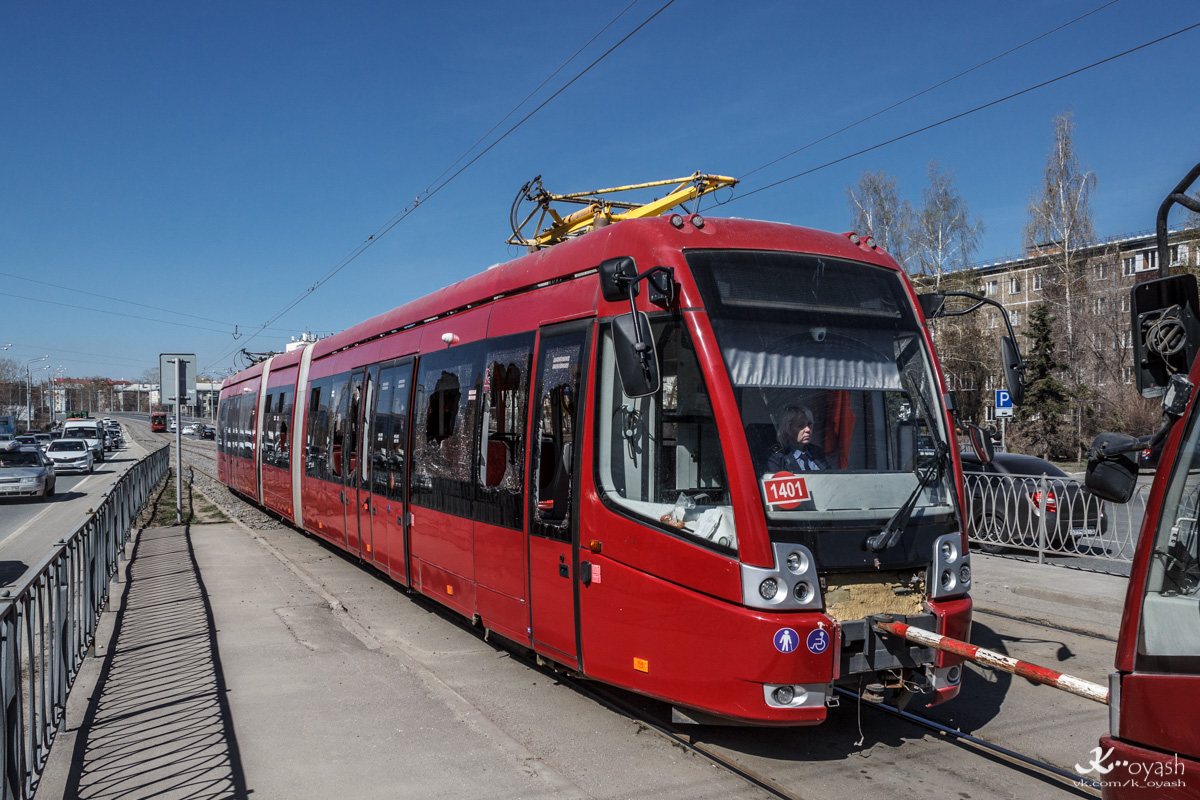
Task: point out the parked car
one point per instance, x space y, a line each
71 454
25 471
208 432
1005 504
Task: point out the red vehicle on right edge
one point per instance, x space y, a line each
1152 749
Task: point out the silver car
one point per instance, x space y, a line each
71 454
25 471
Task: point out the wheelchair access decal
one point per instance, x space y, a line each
818 641
785 490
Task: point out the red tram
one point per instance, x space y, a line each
1152 749
611 489
158 422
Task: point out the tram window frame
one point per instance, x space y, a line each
248 403
683 422
502 503
443 461
283 427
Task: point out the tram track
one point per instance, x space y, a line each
691 738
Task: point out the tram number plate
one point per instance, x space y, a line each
785 490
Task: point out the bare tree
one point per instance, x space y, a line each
880 211
945 236
1060 225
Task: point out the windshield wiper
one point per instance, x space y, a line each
894 528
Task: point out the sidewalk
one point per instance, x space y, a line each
234 669
233 672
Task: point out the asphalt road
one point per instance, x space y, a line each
30 526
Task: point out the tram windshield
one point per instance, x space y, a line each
837 394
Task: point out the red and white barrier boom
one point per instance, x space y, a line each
990 658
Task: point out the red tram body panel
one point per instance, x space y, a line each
479 446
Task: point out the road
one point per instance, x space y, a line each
30 526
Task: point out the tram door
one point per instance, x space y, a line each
382 512
352 462
553 512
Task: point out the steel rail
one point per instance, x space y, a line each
1061 776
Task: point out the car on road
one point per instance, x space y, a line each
71 454
208 432
25 471
43 440
1006 508
190 429
26 440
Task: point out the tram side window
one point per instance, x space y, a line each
444 422
659 457
391 432
500 476
316 441
268 435
222 424
249 412
283 427
339 426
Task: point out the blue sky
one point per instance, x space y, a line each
206 163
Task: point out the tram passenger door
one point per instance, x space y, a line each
553 512
351 445
361 464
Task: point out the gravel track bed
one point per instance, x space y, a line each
201 467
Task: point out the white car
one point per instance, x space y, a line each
71 454
191 428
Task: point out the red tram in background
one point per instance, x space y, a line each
1152 749
158 422
580 450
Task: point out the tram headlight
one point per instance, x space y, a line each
784 695
802 592
948 551
947 580
768 589
797 563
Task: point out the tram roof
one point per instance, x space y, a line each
651 237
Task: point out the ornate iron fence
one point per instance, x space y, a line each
1050 515
48 624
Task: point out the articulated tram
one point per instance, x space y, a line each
587 451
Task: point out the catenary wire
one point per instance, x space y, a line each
938 85
396 220
962 114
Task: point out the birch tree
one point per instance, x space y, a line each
1060 223
946 236
878 209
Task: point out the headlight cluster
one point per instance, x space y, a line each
951 568
791 584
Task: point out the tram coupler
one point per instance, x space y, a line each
992 659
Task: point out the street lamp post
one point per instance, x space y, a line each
29 392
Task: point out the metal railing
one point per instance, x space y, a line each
48 624
1050 515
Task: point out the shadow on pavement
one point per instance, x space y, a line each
159 724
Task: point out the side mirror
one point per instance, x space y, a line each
931 303
1112 469
616 276
1014 368
637 357
981 443
1165 320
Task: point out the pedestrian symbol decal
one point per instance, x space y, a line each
818 641
786 640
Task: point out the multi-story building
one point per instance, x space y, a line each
1092 331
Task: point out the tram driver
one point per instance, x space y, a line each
795 451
